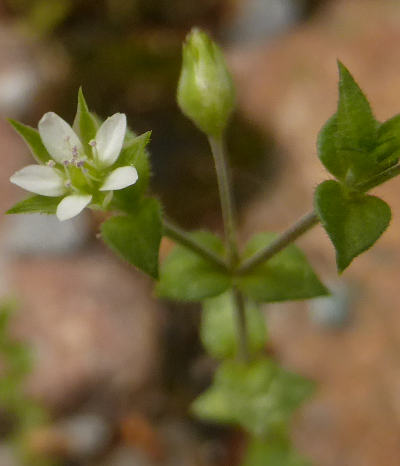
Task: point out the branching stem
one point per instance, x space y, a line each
228 215
287 237
307 222
226 198
182 237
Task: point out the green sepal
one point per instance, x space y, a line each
85 124
133 146
218 330
272 451
36 204
258 396
136 238
133 153
186 276
286 276
205 92
353 221
32 138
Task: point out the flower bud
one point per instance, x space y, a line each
205 91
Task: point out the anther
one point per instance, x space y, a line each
51 163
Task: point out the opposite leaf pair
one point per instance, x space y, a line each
185 276
355 148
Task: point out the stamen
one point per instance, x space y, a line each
92 143
51 163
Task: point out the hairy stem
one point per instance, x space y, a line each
183 238
307 222
377 180
287 237
228 216
226 198
240 317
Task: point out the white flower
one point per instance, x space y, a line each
59 176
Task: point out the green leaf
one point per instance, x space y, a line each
272 452
185 276
349 144
36 204
286 276
259 396
388 149
355 122
7 309
32 138
333 159
18 358
353 221
134 153
218 327
85 124
136 238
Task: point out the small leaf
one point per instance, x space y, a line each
388 149
259 396
185 276
32 138
349 143
36 204
272 452
355 122
353 222
136 238
218 327
85 124
286 276
330 156
134 153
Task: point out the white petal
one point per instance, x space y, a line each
72 205
58 137
109 139
40 179
120 178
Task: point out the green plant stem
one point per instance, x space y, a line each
228 215
183 238
307 222
287 237
240 317
226 198
377 180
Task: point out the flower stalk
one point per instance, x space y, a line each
228 216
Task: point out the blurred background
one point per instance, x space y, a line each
113 368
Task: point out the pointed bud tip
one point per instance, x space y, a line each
205 91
